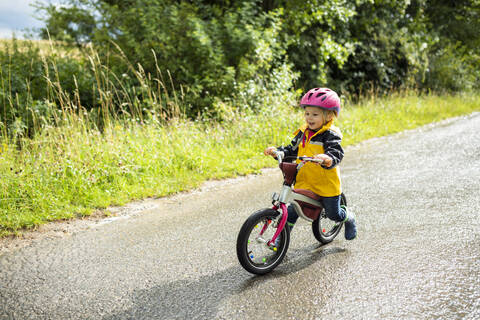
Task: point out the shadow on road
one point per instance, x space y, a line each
302 258
200 299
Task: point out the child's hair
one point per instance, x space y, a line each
328 114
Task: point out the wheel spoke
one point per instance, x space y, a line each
259 252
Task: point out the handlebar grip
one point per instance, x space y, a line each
279 154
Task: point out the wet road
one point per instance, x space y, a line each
417 255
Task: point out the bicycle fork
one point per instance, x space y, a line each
279 201
281 224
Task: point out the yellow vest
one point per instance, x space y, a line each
313 177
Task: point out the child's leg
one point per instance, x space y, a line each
337 213
332 208
292 216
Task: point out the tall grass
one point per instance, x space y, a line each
377 116
68 171
76 161
44 84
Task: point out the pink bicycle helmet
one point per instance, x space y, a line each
323 98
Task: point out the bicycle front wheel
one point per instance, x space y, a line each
253 251
324 229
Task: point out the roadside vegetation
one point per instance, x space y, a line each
127 100
71 170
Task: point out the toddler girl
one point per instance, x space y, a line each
320 139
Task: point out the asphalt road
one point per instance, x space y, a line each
417 255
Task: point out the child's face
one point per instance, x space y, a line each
314 118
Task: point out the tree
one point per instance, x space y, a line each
454 62
207 47
222 49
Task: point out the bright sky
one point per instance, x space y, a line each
16 15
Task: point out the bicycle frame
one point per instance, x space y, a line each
264 237
288 196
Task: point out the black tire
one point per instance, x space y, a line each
324 229
252 251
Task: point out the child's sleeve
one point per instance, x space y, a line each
333 148
292 149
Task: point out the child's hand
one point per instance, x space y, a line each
327 160
270 151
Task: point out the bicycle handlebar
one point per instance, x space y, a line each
280 155
310 159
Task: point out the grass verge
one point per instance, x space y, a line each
69 171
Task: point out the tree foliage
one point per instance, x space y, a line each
209 46
454 56
244 52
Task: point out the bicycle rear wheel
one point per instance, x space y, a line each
324 229
253 251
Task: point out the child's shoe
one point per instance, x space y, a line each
350 224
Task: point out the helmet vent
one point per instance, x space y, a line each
320 94
325 97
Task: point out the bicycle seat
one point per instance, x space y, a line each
308 193
310 210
